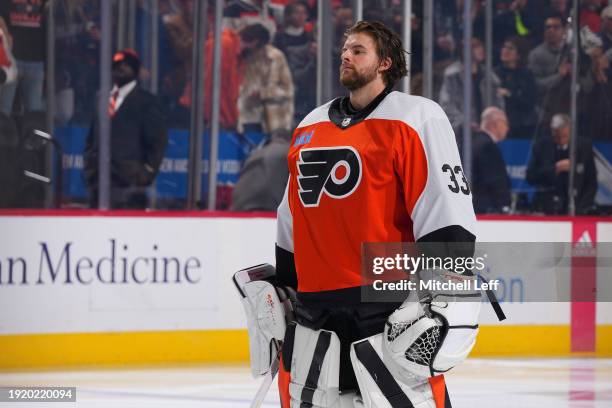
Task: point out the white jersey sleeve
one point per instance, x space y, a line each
446 198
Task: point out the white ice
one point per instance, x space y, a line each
478 383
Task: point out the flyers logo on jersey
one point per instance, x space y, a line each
335 171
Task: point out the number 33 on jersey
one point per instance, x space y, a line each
392 175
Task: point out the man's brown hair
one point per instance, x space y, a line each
388 45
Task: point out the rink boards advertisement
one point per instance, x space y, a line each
149 288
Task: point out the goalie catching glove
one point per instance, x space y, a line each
268 309
433 330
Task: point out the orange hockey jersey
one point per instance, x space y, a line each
390 173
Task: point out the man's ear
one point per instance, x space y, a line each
384 65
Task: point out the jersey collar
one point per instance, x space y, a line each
340 114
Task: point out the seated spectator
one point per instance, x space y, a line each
606 28
138 138
300 49
490 181
451 93
265 102
549 168
263 178
517 87
550 64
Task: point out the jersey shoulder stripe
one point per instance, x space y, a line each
411 109
317 115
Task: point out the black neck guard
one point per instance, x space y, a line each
344 116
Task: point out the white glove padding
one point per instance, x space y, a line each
265 322
433 330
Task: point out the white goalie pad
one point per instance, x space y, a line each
315 367
265 314
379 387
432 331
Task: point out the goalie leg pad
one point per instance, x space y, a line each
314 367
379 387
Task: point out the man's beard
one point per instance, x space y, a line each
353 80
122 79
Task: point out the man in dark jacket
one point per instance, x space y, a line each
490 182
138 138
549 169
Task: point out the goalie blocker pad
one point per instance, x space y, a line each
268 309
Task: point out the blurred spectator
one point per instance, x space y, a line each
589 14
444 20
606 28
517 87
265 103
490 181
562 8
24 21
594 104
477 17
77 47
549 167
451 93
145 46
300 49
138 138
230 76
550 64
242 13
263 178
520 19
179 26
342 19
8 65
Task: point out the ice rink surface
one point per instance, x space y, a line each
478 383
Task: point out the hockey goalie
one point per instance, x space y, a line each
375 166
